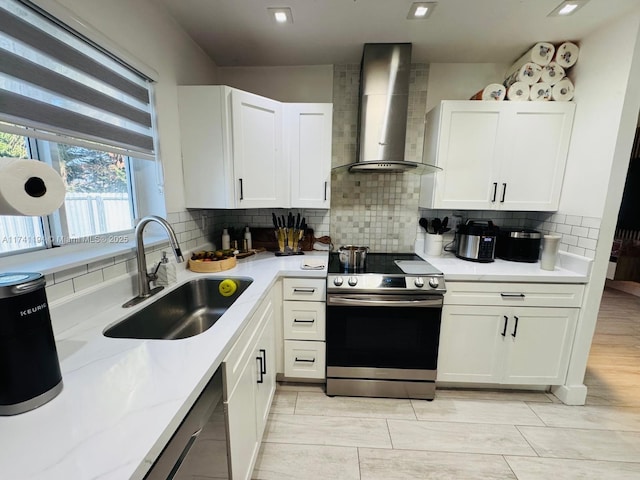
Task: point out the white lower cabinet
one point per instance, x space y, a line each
304 328
249 385
507 341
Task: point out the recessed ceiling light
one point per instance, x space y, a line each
567 7
421 10
281 14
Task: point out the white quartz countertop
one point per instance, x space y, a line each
122 398
569 268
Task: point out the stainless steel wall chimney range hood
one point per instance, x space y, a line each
382 115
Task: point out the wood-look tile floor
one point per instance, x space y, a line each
466 435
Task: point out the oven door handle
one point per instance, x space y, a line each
387 302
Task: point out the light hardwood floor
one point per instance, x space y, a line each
466 435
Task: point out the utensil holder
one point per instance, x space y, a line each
433 244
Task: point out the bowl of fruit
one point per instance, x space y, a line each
212 261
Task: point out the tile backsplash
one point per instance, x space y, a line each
579 234
193 228
374 209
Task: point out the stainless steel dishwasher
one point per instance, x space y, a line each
198 448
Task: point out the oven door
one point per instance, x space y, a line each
383 331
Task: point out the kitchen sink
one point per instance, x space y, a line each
189 310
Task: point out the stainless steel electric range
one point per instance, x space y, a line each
383 327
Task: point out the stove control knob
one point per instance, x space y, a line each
338 281
419 282
353 281
433 282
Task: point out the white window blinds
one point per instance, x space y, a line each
58 83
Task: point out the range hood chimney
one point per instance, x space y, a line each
382 115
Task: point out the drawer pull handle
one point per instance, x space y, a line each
264 362
512 295
260 370
241 191
305 360
304 290
295 320
515 329
504 330
325 191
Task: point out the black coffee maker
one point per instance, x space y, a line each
29 367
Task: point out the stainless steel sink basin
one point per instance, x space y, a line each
189 310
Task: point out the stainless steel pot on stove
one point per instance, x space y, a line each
352 257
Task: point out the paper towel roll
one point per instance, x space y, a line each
563 90
567 55
552 73
493 91
529 73
540 92
540 54
518 92
29 188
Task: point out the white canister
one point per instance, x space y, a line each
550 245
433 244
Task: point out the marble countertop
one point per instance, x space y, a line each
123 398
570 268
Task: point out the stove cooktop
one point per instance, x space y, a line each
388 264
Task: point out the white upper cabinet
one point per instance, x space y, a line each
496 155
232 154
308 141
238 150
258 158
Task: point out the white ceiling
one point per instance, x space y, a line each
241 33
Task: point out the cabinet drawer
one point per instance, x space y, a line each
514 294
310 289
304 320
304 359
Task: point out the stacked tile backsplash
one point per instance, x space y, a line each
579 234
374 209
193 228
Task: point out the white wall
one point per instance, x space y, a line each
141 29
601 77
310 83
460 81
608 102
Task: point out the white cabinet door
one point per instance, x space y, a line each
471 344
538 349
469 145
242 422
496 155
308 140
266 356
533 169
260 174
523 346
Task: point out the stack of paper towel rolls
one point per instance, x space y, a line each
540 74
544 68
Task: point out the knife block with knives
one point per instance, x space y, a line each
289 233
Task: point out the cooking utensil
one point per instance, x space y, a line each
352 257
424 223
437 225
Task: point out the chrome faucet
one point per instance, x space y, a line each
145 278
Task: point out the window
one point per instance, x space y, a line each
68 102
